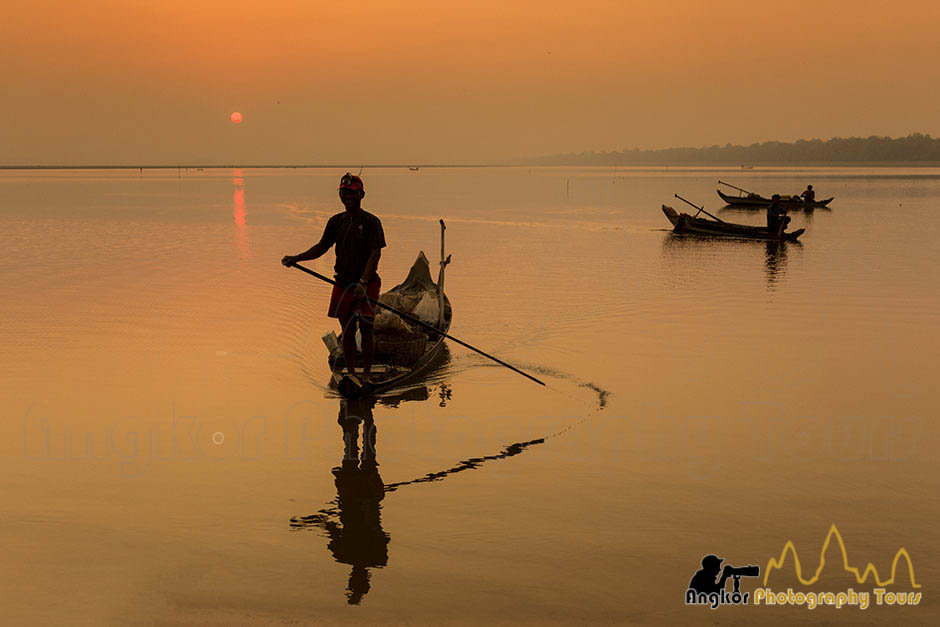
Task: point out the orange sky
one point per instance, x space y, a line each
115 81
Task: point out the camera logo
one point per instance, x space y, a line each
707 586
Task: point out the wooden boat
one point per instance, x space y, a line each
757 201
684 223
402 360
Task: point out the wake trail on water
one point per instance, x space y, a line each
547 371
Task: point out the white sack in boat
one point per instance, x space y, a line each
392 299
400 301
427 308
387 323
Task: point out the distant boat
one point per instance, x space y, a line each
415 169
684 223
755 200
747 167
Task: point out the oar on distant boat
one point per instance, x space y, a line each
421 323
735 187
701 209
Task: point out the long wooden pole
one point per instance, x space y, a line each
440 281
702 209
734 187
421 323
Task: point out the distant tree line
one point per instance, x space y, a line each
913 148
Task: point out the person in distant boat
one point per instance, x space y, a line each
359 241
809 196
777 218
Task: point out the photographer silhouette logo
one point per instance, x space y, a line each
707 586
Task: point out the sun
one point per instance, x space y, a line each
236 117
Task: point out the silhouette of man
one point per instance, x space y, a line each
359 240
809 196
777 218
704 579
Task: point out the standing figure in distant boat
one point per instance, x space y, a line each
809 196
359 240
777 218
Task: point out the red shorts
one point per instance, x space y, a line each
343 301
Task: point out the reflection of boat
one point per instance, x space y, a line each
684 223
757 201
403 354
690 251
394 398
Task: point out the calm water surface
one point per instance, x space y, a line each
171 453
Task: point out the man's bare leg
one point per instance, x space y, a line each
349 343
368 348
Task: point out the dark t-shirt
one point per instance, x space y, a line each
775 215
355 238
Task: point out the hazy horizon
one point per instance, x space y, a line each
914 150
410 82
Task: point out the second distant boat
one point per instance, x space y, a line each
757 201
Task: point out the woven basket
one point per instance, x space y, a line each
401 349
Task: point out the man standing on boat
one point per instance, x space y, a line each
359 240
809 196
777 218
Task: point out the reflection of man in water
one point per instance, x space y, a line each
704 579
776 259
358 539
